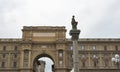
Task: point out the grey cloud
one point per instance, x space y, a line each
94 18
8 18
108 25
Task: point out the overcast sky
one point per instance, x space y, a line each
96 18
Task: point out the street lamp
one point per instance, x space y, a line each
116 60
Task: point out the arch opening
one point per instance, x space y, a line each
43 63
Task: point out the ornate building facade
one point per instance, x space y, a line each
21 55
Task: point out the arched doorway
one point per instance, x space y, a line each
40 60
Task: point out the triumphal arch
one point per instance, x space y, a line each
44 41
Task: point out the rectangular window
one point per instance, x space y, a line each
116 48
82 47
95 64
15 48
26 53
4 48
82 56
71 47
83 64
60 53
14 64
94 47
4 55
60 62
105 48
60 56
26 57
3 64
25 63
15 55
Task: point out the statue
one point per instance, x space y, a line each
74 23
39 66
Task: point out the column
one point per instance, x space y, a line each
75 35
9 58
29 59
22 57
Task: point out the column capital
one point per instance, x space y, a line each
74 34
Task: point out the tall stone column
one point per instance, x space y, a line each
74 32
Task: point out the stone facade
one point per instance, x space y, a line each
20 55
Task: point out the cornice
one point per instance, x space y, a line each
96 40
43 28
10 40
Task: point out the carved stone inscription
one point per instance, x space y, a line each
38 36
43 34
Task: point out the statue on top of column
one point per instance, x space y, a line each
74 23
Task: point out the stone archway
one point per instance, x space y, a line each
40 56
45 41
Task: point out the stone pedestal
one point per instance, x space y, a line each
75 36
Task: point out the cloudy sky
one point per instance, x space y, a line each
96 18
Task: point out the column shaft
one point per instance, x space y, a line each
75 56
